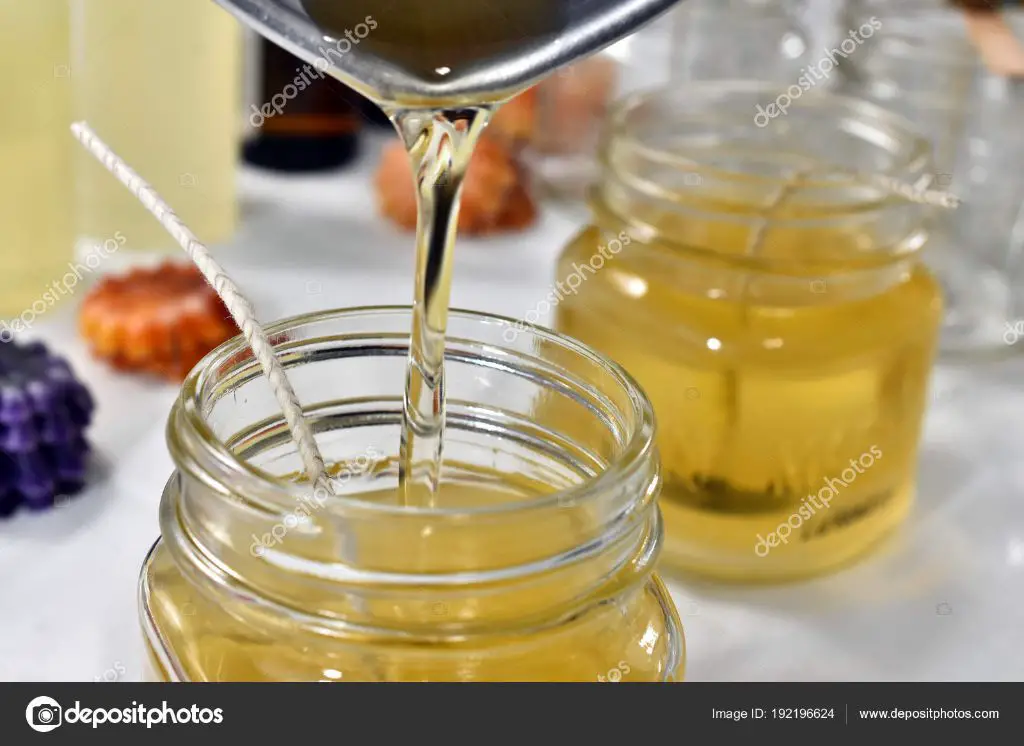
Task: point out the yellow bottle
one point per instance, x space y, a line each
772 306
161 82
535 563
36 239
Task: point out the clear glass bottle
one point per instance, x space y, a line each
765 40
918 63
35 151
922 65
566 111
162 83
536 564
985 279
771 303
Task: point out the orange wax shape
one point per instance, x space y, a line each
160 321
494 193
515 121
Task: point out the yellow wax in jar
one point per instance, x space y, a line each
765 392
625 638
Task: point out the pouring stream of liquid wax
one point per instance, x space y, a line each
439 68
440 146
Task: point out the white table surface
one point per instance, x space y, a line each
943 601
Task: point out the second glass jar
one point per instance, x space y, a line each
771 302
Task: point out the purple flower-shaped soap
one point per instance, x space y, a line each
44 411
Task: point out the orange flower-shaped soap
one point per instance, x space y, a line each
494 196
515 121
161 320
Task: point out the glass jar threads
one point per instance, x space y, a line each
770 301
535 563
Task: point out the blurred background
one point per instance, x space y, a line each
301 190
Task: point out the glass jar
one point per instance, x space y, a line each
918 63
771 303
535 563
922 65
765 40
985 278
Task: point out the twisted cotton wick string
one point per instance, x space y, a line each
921 192
238 305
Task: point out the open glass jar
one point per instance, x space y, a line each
534 564
770 301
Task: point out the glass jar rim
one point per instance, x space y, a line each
230 357
620 123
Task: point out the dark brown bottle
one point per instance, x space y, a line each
305 120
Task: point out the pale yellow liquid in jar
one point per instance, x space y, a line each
803 410
161 83
36 238
625 637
